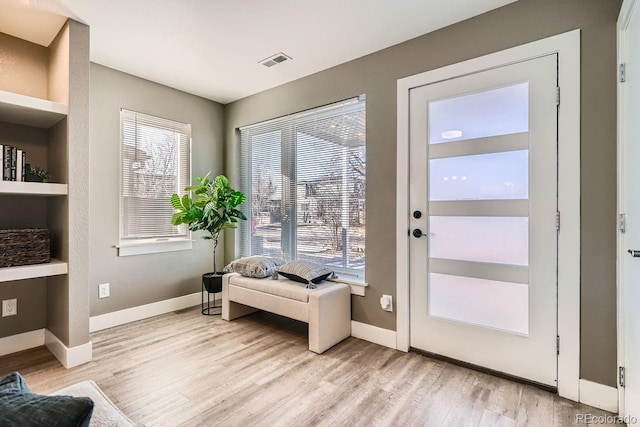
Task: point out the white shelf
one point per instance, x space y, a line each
18 188
53 268
30 111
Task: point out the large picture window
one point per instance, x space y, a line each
304 177
155 163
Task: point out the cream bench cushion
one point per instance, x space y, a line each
327 308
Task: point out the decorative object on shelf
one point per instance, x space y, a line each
213 208
25 246
36 174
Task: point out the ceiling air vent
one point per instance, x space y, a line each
274 59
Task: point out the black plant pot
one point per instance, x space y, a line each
212 283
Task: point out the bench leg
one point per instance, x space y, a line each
329 318
232 310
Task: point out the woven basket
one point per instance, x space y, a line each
24 246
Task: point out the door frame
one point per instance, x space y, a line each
567 46
624 19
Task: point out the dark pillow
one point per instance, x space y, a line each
254 266
20 407
305 272
13 383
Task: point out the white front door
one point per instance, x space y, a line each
630 239
483 200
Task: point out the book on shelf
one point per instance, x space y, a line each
23 170
13 162
6 163
19 157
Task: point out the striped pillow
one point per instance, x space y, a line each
305 272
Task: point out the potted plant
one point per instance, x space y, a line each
36 174
213 207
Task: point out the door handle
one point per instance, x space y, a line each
418 233
634 253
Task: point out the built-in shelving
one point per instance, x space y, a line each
16 188
34 115
30 111
40 113
53 268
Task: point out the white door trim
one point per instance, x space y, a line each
623 21
567 46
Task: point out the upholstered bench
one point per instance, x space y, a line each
327 308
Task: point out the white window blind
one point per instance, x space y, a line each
304 177
156 162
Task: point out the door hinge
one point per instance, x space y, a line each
621 376
622 73
558 221
558 344
622 222
558 96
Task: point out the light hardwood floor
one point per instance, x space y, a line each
185 369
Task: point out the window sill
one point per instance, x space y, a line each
357 287
153 247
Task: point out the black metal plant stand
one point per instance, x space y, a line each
211 284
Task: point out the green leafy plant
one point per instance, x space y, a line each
39 172
213 207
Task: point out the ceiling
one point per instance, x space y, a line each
212 48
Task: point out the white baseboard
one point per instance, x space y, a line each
69 357
599 396
120 317
19 342
374 334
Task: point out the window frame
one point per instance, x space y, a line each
287 126
157 244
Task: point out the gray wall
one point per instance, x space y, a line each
142 279
78 140
376 75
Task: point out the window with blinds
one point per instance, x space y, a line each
304 177
155 163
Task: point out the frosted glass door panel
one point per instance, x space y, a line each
500 240
501 111
488 303
495 176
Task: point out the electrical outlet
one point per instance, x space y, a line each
103 290
386 302
9 307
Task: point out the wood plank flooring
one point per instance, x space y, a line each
185 369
